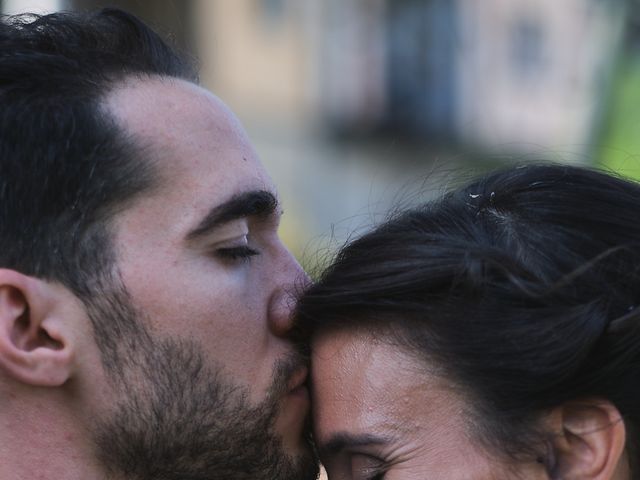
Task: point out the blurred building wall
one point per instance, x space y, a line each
517 75
256 53
535 73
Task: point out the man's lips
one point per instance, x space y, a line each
298 379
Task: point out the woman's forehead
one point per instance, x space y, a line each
366 378
364 387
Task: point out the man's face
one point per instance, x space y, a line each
205 272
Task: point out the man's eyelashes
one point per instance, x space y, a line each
241 253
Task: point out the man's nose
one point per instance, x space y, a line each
283 300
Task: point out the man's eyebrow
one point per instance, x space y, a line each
341 441
254 203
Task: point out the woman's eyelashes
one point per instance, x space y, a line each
375 475
366 467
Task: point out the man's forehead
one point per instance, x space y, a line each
183 127
149 106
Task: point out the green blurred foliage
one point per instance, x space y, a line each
619 149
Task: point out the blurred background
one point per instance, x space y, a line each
356 105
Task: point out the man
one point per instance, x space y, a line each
144 292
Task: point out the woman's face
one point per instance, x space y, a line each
379 414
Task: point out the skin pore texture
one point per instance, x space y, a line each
203 382
379 414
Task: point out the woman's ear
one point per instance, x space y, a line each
590 441
34 346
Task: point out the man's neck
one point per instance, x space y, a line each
39 439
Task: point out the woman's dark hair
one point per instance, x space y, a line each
524 287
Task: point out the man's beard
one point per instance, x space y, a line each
180 419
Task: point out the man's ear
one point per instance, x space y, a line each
34 345
591 441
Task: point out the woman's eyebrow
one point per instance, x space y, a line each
253 203
342 440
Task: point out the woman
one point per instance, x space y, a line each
494 334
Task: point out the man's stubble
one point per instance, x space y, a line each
178 418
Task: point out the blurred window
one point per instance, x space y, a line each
527 48
273 11
421 70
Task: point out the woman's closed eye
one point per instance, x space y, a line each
366 467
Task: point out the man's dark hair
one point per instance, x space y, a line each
66 166
523 287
